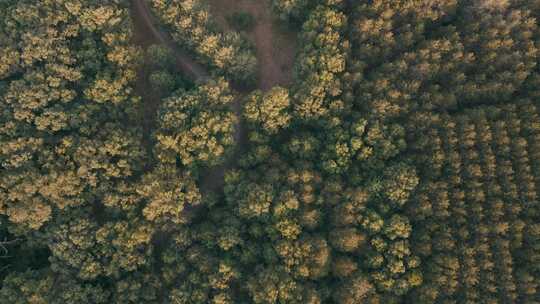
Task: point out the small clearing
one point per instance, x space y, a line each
276 48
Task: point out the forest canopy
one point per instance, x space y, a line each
152 153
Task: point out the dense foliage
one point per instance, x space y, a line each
401 166
477 206
191 25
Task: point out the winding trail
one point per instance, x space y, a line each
184 62
146 34
275 52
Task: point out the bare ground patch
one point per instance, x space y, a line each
276 49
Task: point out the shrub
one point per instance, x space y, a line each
241 21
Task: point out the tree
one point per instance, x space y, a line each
291 9
397 227
400 181
159 56
196 127
44 287
269 111
229 54
357 289
162 82
62 143
346 239
82 248
167 194
273 286
321 65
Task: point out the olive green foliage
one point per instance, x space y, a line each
293 11
241 21
401 166
46 287
159 56
190 23
167 193
483 177
321 64
451 66
62 143
196 127
162 81
160 71
269 111
103 249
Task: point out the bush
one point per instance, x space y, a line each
162 81
241 21
159 56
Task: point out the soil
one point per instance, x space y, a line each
144 37
276 48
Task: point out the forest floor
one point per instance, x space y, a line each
146 34
275 47
146 31
144 37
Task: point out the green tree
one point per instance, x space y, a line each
159 56
44 287
227 53
269 111
196 127
162 82
357 289
167 194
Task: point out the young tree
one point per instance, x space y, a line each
45 287
159 56
196 127
270 111
167 194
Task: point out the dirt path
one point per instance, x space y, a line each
275 54
275 47
147 33
144 37
142 17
